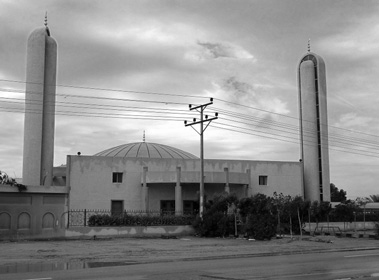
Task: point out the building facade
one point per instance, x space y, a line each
139 176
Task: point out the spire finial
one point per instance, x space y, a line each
309 45
47 28
143 136
46 19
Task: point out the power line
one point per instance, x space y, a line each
112 90
264 123
174 95
104 98
95 106
270 126
295 118
108 115
275 138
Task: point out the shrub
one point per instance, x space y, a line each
138 220
216 222
257 213
261 227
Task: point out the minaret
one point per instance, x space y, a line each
39 127
314 127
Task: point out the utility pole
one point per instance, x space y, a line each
200 109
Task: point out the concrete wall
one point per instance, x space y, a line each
341 226
35 213
152 231
90 179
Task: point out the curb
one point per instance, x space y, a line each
256 255
347 235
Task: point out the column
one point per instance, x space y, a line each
145 192
245 190
226 188
249 186
178 193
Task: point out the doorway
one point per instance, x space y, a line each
117 207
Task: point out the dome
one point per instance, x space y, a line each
146 150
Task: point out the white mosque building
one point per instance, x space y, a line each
149 176
155 177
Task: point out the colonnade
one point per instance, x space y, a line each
179 191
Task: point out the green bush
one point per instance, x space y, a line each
257 212
217 224
216 221
138 220
261 227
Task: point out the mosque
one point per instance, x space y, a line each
147 176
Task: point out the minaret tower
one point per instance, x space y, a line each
314 127
39 127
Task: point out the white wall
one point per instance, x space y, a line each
90 180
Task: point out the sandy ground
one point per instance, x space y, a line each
158 249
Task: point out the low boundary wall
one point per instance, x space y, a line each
37 213
132 231
342 226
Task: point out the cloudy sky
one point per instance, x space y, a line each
125 67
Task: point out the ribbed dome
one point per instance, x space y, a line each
146 150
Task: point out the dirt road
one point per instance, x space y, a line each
158 249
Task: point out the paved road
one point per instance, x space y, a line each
326 266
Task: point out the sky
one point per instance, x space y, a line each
131 68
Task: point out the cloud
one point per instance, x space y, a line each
225 50
352 120
242 52
354 42
255 95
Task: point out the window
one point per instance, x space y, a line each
117 177
263 180
190 207
117 207
167 207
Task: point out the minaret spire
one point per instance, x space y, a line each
309 45
47 28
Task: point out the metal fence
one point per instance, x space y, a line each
80 217
360 215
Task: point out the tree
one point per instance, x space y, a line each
216 222
337 195
289 210
6 180
278 203
257 212
362 201
301 207
320 210
346 211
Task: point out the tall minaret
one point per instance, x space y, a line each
314 127
40 108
